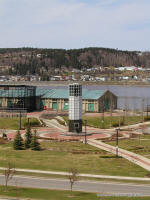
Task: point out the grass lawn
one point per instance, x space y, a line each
45 194
60 156
139 145
97 121
14 123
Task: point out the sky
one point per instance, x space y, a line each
69 24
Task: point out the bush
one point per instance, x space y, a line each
116 124
33 122
35 145
28 137
18 142
147 118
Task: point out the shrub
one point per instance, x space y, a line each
147 118
35 145
28 137
18 142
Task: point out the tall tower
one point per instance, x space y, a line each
75 108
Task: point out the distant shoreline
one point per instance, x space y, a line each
65 83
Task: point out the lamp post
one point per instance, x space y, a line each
28 121
85 123
102 119
117 132
147 110
20 119
102 123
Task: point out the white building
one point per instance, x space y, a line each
75 108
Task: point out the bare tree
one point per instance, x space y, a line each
9 172
73 177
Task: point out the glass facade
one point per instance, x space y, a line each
18 97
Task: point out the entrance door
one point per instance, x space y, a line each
54 105
42 104
66 106
107 104
91 107
9 104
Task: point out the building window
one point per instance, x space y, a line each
76 125
75 90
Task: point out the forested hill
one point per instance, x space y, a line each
23 61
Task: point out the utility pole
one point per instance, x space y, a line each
85 123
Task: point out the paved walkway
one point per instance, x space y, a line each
135 125
135 158
80 175
63 134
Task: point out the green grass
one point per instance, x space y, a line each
45 194
139 145
97 121
60 156
14 123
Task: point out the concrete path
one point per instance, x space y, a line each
55 124
135 158
80 175
135 125
86 186
63 134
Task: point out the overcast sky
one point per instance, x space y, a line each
122 24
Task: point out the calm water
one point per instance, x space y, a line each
132 96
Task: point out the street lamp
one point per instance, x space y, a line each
102 123
103 118
147 110
20 119
85 123
117 132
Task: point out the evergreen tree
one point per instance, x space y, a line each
28 137
35 145
18 142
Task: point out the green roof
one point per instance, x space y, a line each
42 91
92 94
57 94
53 93
64 94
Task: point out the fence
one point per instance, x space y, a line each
13 113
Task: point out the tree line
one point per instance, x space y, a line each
43 61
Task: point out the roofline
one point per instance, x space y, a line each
105 91
110 92
16 85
